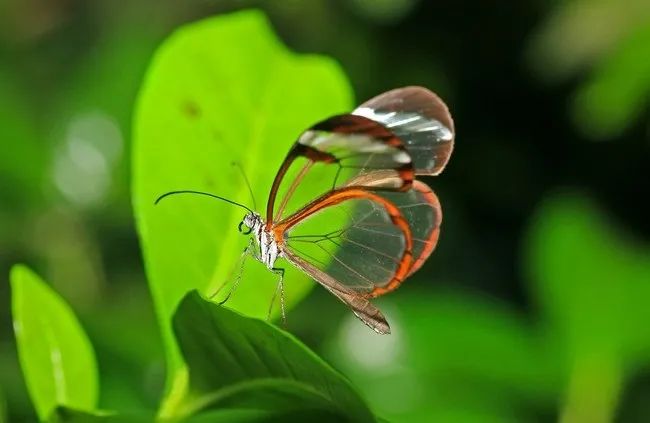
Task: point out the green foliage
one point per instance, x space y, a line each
22 166
66 415
225 89
617 48
238 362
209 99
617 94
592 283
593 287
70 415
56 357
444 350
224 111
3 408
576 34
242 369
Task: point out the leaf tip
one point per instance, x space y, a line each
16 272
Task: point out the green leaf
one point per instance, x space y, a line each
67 415
278 399
592 283
616 53
3 407
57 358
558 46
238 362
220 90
234 416
259 416
71 415
617 94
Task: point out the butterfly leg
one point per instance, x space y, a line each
280 288
249 250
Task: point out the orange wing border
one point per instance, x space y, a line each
432 240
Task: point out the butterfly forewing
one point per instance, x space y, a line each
420 119
329 155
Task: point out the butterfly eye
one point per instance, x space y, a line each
241 230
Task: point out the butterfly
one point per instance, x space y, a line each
371 224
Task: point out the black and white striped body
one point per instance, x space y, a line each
269 250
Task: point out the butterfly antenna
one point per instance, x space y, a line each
207 194
248 184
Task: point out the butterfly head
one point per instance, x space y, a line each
252 222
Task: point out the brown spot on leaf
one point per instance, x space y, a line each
191 109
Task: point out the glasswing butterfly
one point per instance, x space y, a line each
371 224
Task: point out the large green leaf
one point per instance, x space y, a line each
57 359
238 362
220 90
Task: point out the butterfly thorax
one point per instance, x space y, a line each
265 239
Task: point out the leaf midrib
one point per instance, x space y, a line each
58 372
205 400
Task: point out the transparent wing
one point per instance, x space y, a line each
329 155
419 207
366 252
370 242
422 210
360 305
420 119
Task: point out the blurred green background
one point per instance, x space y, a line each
535 305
